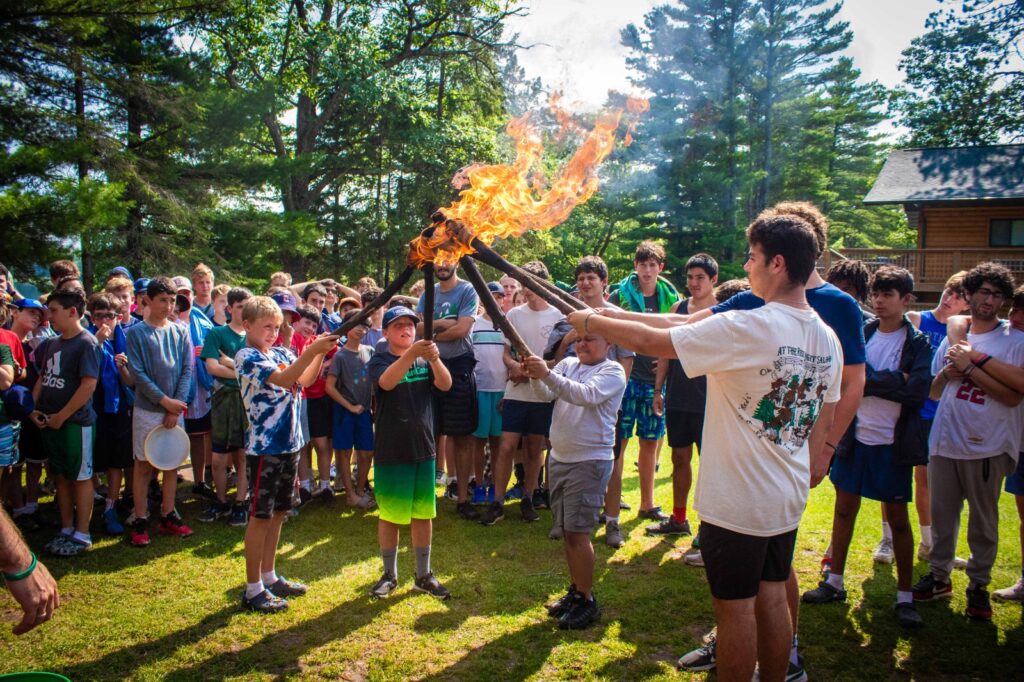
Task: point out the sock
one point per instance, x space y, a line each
84 538
324 484
679 513
305 485
252 589
69 531
926 535
422 561
904 597
390 558
110 505
886 531
610 519
794 658
269 577
835 581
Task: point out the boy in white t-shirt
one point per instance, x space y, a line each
773 373
491 375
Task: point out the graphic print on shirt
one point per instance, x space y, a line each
788 410
51 374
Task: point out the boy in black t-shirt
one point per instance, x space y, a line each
404 464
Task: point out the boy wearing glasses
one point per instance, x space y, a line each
974 441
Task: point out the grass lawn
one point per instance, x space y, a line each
171 611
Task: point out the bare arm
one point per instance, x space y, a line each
442 377
215 368
656 320
817 443
636 336
6 377
37 592
304 370
459 330
332 390
851 393
79 398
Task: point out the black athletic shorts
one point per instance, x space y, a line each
318 411
199 426
736 563
684 428
617 448
113 446
457 407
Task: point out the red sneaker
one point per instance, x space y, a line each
173 525
139 534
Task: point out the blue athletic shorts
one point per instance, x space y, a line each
638 411
519 416
1015 481
868 471
488 417
352 430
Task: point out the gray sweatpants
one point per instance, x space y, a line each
979 481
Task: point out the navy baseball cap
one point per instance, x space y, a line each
141 284
496 288
286 302
396 313
120 270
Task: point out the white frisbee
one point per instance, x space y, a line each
166 449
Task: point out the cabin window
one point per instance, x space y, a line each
1006 232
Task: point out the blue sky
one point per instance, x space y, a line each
576 42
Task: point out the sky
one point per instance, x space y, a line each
576 44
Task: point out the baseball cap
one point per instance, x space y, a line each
120 270
140 285
182 283
496 288
286 302
29 304
396 313
348 300
183 302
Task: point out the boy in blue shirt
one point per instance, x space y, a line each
269 378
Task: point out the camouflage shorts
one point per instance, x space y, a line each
271 483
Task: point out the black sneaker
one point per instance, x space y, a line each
26 523
385 586
582 613
431 586
213 512
928 588
652 514
238 516
560 606
526 509
467 511
702 658
264 602
795 671
287 588
540 498
979 607
451 491
325 495
907 615
669 527
823 594
204 491
304 496
495 512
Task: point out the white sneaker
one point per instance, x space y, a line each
693 558
883 553
959 563
923 552
1013 593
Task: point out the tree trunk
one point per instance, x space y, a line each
88 266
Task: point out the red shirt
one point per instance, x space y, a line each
299 343
318 389
11 339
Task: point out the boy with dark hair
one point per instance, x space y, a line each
348 385
228 421
851 276
374 334
526 411
404 377
160 357
644 291
269 377
64 412
64 270
113 403
876 457
682 402
975 440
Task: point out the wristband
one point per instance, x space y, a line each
586 322
985 358
830 445
21 575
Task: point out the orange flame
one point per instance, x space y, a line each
506 200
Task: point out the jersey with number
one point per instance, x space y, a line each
969 423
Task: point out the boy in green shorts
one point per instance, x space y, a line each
228 414
403 468
65 415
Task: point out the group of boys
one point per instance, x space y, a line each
782 385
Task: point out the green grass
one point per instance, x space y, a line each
170 612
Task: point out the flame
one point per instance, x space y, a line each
507 200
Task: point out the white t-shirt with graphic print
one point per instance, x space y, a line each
769 371
877 417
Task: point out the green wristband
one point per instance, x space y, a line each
21 575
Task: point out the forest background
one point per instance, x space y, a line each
317 136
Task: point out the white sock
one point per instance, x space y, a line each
110 504
252 589
305 485
904 597
926 535
835 581
269 578
69 531
84 538
611 519
886 531
324 485
794 657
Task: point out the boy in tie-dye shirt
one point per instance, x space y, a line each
269 378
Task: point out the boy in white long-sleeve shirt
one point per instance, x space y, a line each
588 390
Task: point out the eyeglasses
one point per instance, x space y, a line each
990 293
104 316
